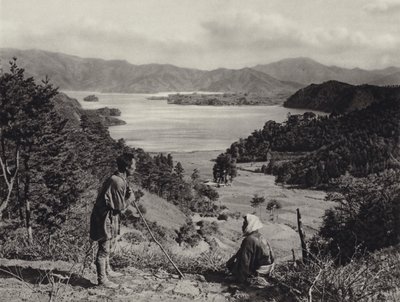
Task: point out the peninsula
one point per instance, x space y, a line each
225 99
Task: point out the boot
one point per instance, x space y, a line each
109 270
101 274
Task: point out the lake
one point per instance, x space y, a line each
156 126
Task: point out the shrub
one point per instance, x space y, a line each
223 216
274 204
367 279
367 216
207 228
188 234
235 215
133 237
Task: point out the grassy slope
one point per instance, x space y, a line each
282 231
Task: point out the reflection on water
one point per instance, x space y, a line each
157 126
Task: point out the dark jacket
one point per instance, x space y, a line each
110 202
254 252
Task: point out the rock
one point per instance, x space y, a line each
200 278
186 287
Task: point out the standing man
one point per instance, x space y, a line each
113 198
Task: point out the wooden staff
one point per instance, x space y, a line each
137 197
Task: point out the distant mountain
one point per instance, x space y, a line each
334 96
391 79
278 80
245 79
74 73
308 71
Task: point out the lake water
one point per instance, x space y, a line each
156 126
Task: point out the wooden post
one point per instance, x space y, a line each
302 235
294 258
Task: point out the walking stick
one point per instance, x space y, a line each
138 194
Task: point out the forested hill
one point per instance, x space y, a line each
338 97
360 142
61 153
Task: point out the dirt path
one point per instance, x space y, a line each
37 281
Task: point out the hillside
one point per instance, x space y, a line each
67 152
333 96
74 73
308 71
277 78
391 79
311 151
243 80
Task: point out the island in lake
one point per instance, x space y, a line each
224 99
108 116
91 98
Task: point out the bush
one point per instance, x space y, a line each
133 237
223 216
235 215
68 243
367 216
207 228
274 204
188 234
367 279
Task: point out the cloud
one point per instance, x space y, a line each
91 38
269 32
231 40
382 6
251 30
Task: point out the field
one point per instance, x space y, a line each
281 227
141 282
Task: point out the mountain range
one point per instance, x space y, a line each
280 78
307 71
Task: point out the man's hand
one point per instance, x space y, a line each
128 193
138 194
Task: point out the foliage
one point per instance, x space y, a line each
223 216
133 237
318 149
273 204
257 201
206 191
224 168
338 97
367 216
68 243
366 279
207 228
195 175
188 234
25 108
179 170
66 152
158 175
150 257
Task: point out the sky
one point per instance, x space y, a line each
209 34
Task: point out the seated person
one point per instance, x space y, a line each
255 257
